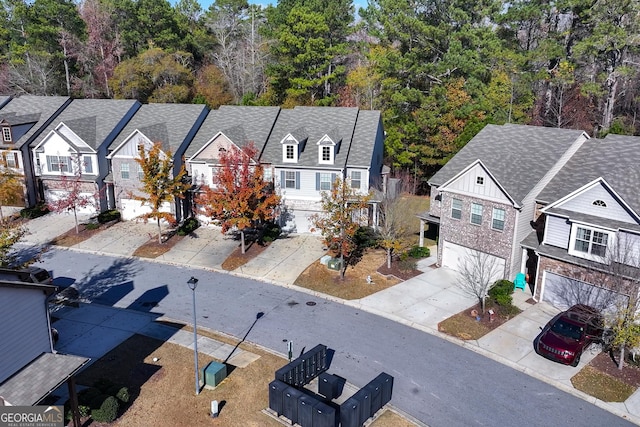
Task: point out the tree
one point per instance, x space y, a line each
159 184
344 210
240 197
74 195
10 234
391 228
477 273
11 188
212 87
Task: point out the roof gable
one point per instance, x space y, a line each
210 153
477 180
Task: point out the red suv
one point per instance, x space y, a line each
569 333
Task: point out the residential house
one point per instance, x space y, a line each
309 147
22 118
174 126
483 199
30 367
228 126
591 216
72 149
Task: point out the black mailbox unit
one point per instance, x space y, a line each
305 410
276 390
324 415
350 413
290 404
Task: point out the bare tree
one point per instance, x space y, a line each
477 273
391 224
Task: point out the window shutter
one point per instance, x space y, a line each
282 183
15 157
297 180
317 181
333 179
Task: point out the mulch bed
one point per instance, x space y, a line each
630 374
395 270
153 248
72 237
237 258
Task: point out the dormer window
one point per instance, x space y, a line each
600 203
290 152
6 134
326 155
290 149
326 150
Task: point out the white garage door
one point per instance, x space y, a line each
298 221
563 292
52 195
454 255
131 208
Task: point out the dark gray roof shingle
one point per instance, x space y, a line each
169 124
39 108
93 120
616 158
242 124
518 156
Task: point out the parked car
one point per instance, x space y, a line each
569 333
29 274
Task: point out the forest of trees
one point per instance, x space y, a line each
439 70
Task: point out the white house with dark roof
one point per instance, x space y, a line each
78 138
483 199
590 226
174 126
310 146
22 118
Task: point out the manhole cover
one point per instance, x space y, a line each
311 303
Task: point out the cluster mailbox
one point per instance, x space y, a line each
305 368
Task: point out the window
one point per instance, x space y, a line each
6 134
124 171
497 220
356 179
58 163
326 154
456 209
600 203
325 181
267 173
591 242
290 154
289 179
88 166
140 173
480 180
10 159
476 214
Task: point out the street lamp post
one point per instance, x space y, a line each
193 283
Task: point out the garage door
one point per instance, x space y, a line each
52 195
454 255
298 221
563 292
131 208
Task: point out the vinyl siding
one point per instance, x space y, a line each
583 203
557 232
468 184
25 329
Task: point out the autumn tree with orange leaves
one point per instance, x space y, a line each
240 197
159 184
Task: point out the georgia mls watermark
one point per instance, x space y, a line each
31 416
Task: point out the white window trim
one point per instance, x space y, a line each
451 215
331 152
358 180
493 218
284 153
480 178
290 180
6 134
588 255
471 214
325 181
128 171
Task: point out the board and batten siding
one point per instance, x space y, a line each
25 328
583 203
468 184
557 232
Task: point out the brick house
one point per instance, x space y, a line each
483 199
590 212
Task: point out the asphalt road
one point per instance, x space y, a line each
437 382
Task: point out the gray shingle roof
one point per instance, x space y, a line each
361 151
93 120
242 124
39 108
518 156
169 124
616 158
314 123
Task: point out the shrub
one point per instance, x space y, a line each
107 412
96 402
121 393
108 216
501 287
84 410
189 225
504 300
419 252
366 237
271 232
92 226
407 265
34 212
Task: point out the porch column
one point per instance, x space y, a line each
421 242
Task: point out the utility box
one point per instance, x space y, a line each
214 373
335 264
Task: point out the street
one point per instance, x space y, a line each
437 382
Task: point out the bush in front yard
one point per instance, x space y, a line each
271 232
501 292
108 216
34 212
107 412
419 252
189 225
